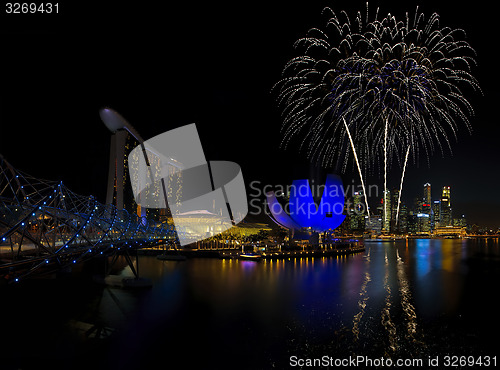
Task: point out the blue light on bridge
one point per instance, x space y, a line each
68 222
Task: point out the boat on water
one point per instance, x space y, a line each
250 257
171 257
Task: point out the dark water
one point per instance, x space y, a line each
397 300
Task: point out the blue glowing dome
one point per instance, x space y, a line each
303 212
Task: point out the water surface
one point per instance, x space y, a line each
415 298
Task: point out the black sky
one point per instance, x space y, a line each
163 66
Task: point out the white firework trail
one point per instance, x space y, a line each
385 173
359 168
401 185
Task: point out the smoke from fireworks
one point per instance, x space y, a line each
399 85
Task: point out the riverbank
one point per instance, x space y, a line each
272 254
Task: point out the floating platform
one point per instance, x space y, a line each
298 254
235 253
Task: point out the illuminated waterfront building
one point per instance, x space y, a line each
403 219
412 226
174 175
119 189
427 201
460 221
436 214
418 224
423 223
446 217
357 213
394 209
417 205
386 212
373 224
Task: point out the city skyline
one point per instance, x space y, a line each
115 247
424 215
230 102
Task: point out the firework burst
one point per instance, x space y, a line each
399 85
408 73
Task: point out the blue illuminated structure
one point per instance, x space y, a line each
304 213
45 227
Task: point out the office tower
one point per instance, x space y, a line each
357 217
460 221
446 218
386 212
373 224
417 205
403 219
423 223
412 223
121 165
436 214
427 202
394 228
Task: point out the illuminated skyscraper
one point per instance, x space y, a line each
423 223
460 221
436 214
403 219
417 205
394 210
119 189
357 216
427 201
174 184
386 214
446 218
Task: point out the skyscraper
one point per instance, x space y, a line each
427 201
460 221
436 214
357 217
403 219
394 211
386 215
446 218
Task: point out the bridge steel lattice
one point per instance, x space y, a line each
45 227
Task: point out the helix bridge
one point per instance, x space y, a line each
45 227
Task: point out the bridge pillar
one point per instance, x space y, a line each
116 168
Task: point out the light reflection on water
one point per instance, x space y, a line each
402 298
406 298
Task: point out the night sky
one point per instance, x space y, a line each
213 64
